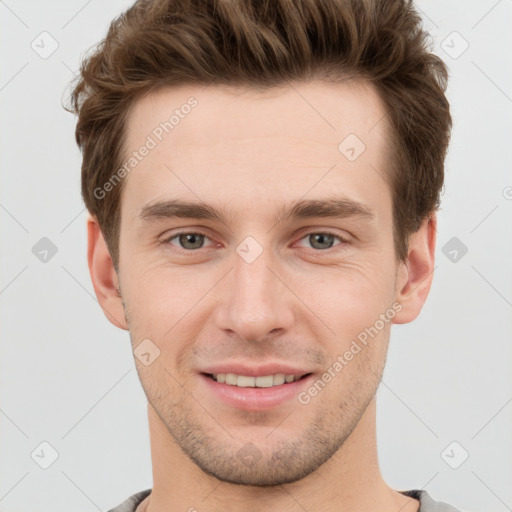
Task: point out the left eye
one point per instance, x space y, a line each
194 241
322 240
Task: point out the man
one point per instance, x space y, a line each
263 180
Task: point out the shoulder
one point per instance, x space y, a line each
131 503
427 504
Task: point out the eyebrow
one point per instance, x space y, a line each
336 206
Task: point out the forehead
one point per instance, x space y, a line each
316 110
228 144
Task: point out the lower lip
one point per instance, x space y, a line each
255 399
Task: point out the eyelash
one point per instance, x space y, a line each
176 235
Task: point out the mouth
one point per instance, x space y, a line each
254 388
260 381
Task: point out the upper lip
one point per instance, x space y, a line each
255 371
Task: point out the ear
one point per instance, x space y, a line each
414 277
103 275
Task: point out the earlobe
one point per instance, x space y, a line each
103 275
415 275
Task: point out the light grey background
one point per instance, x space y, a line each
67 376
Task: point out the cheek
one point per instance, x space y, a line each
163 301
348 298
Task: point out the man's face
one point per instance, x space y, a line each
258 292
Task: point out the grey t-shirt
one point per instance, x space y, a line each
427 504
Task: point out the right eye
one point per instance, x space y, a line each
189 241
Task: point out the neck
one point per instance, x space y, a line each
349 481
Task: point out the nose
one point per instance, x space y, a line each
254 302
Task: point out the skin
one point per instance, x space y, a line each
252 153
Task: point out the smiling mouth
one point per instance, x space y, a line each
246 381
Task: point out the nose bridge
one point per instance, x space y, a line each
255 303
253 279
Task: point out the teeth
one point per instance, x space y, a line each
279 378
245 381
264 382
231 379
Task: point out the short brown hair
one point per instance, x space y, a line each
265 43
